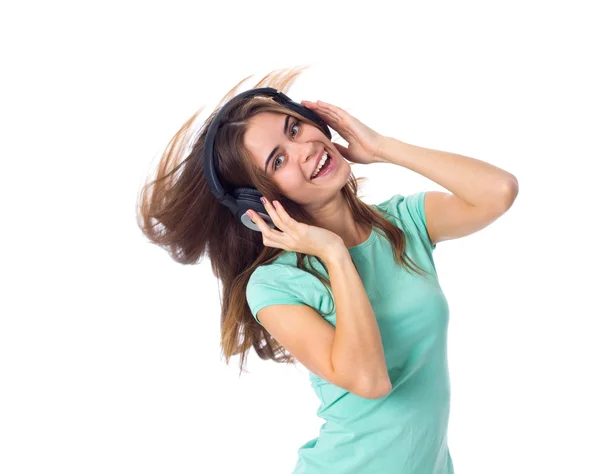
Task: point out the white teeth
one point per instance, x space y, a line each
320 165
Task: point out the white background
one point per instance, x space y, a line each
109 350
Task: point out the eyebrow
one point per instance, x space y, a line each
285 128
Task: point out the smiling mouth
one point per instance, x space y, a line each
317 164
326 165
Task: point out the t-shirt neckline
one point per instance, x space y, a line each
367 242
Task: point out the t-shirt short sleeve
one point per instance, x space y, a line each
411 211
274 284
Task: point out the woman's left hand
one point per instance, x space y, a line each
363 143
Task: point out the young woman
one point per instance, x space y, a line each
348 289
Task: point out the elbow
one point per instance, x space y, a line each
510 192
379 391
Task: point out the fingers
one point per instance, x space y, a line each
329 112
258 220
285 222
324 107
327 106
279 217
272 211
318 103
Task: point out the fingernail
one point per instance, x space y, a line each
263 200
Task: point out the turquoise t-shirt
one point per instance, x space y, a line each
405 431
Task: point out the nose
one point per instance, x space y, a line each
302 152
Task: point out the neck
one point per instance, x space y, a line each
336 217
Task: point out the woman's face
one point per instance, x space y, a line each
294 149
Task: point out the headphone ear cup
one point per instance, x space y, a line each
249 198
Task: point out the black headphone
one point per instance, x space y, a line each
242 199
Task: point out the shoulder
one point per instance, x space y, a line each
408 209
268 270
278 272
408 212
277 283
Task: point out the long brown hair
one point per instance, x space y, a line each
177 211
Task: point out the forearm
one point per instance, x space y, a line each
357 354
475 181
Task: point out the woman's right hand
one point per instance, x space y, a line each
295 236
